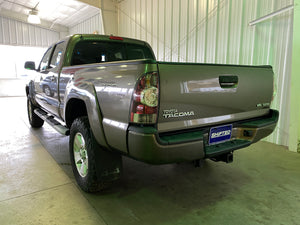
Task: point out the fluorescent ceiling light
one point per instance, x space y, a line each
33 17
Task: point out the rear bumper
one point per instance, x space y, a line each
145 144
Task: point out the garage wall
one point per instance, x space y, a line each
13 32
217 31
295 81
88 26
14 36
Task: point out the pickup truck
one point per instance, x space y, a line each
113 99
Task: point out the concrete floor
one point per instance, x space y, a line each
261 186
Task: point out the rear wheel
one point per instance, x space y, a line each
34 120
87 157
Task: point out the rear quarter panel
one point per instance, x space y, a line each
113 84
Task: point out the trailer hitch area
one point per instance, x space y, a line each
228 158
198 163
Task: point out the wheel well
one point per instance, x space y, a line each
75 108
27 90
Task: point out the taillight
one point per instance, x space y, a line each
144 104
116 38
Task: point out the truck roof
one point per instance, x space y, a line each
99 37
72 41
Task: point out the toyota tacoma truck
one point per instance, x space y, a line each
113 99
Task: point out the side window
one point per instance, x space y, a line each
57 55
45 60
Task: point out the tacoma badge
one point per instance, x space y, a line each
173 113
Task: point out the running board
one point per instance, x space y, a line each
52 122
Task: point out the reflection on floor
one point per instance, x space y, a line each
261 186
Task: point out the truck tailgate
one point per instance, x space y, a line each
199 95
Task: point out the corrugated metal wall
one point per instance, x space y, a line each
14 32
89 26
217 31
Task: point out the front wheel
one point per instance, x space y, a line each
88 158
34 120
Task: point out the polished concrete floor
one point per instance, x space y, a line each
261 186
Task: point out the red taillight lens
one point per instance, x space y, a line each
145 100
116 38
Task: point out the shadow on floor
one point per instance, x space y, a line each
152 193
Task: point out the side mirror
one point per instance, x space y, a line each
29 65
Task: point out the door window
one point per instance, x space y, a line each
57 55
45 60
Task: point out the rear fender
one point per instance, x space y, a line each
87 93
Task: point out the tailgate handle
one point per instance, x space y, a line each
228 81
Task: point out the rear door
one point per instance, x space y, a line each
198 95
46 83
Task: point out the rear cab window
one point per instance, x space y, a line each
88 52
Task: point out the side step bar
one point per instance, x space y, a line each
52 122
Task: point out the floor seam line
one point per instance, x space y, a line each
35 192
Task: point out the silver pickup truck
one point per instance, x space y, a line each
114 99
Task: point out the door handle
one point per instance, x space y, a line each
228 81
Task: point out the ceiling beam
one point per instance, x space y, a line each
109 14
95 3
109 17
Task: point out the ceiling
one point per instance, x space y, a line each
62 12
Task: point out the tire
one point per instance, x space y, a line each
34 120
47 91
84 156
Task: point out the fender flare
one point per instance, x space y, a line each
87 93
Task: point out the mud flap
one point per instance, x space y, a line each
108 165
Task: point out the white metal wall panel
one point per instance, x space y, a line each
217 31
234 40
5 30
175 19
183 24
281 59
161 28
248 35
223 31
38 34
154 31
14 32
143 20
138 18
149 28
89 26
